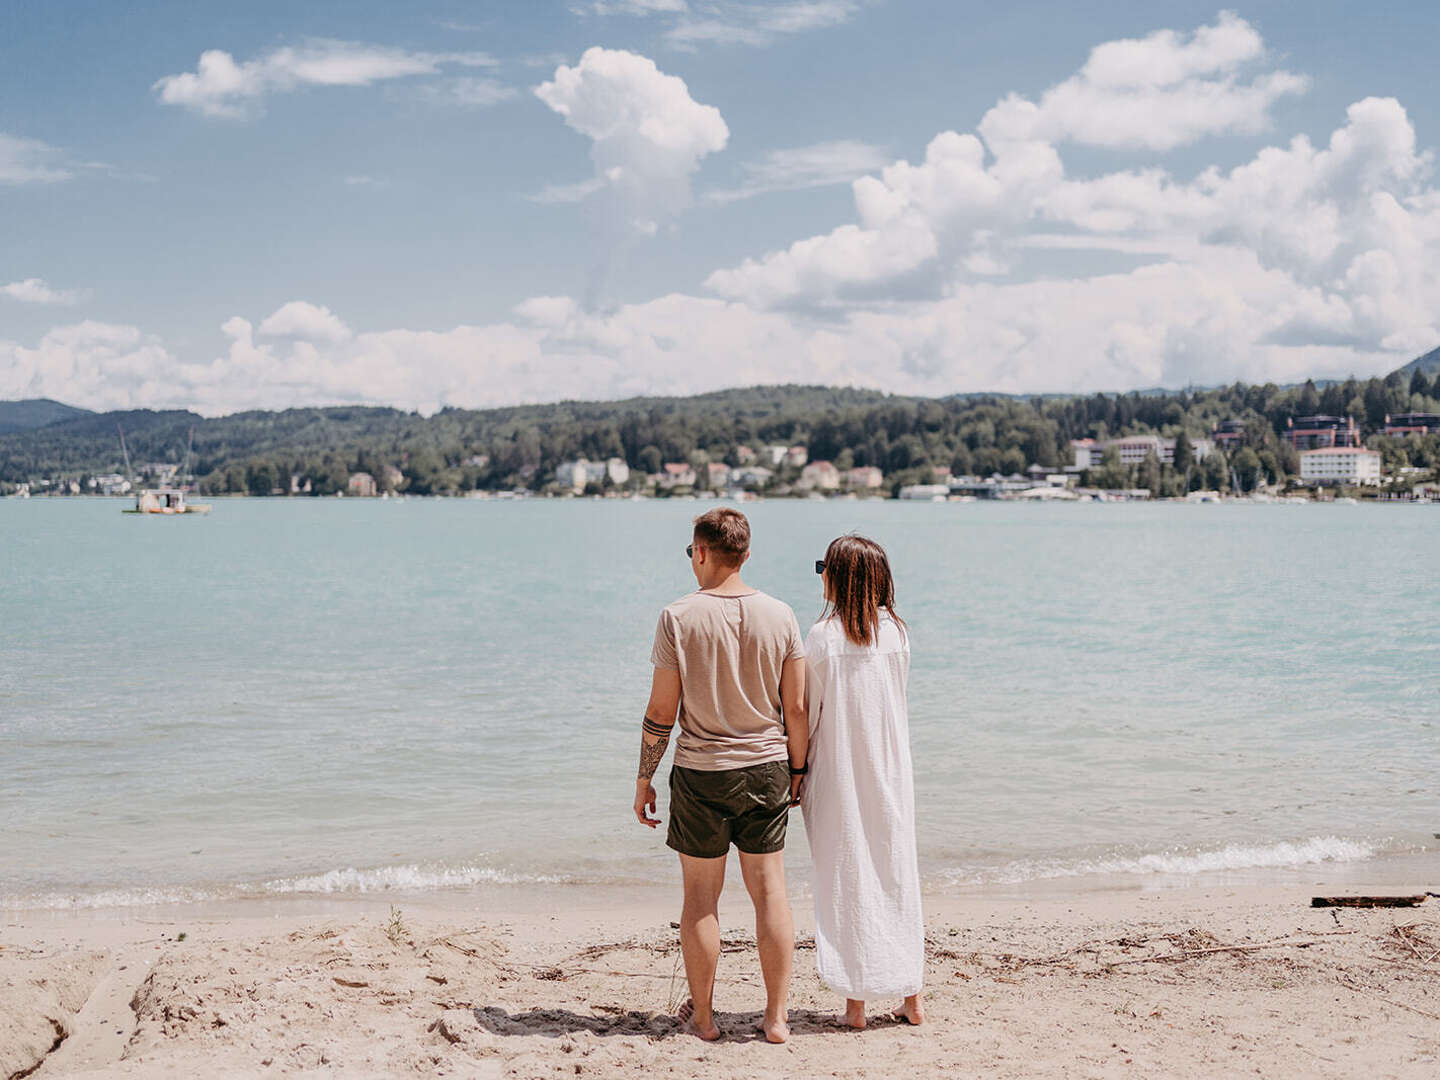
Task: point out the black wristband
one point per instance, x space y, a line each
800 771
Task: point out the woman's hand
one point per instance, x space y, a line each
795 784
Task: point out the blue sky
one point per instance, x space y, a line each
482 203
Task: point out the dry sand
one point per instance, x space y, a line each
570 983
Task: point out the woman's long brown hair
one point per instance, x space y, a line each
858 574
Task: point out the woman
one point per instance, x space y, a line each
858 794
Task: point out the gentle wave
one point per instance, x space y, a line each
1317 849
346 881
425 877
108 898
413 878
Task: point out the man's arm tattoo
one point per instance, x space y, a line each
652 753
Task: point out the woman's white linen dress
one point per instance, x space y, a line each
859 806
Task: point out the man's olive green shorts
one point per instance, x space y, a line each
711 810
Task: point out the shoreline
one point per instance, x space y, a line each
506 981
505 891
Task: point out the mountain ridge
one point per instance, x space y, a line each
29 414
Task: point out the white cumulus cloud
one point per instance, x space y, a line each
1154 93
221 86
305 321
648 135
103 365
38 291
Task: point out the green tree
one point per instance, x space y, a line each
261 478
1247 468
1215 470
1148 476
961 462
1110 475
1184 453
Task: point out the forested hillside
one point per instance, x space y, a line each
35 413
458 450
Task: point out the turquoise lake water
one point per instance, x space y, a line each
294 696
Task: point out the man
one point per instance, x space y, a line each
729 661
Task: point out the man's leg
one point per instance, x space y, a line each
700 938
775 933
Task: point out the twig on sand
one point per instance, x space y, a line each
1401 963
1406 935
1187 954
670 1002
1380 997
1182 951
457 948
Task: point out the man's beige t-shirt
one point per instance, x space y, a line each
729 651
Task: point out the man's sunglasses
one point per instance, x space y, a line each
819 563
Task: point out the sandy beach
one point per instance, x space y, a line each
1201 982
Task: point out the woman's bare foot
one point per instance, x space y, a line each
686 1015
912 1012
854 1015
775 1030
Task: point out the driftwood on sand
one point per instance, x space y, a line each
1369 901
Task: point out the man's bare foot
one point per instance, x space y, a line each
686 1015
912 1012
853 1016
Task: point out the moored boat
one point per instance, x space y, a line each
165 501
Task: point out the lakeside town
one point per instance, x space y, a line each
1376 439
1334 465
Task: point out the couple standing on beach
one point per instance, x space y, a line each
766 723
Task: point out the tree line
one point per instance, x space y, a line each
911 439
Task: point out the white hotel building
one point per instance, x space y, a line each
1340 465
1133 450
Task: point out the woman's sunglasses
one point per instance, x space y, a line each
819 566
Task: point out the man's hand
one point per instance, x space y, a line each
645 801
795 783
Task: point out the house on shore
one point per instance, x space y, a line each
820 476
864 478
575 475
361 485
